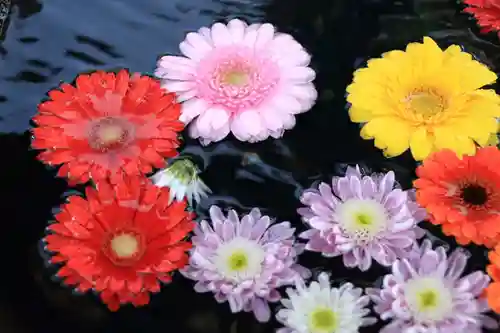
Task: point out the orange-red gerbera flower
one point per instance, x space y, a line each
486 12
463 195
106 126
493 290
120 241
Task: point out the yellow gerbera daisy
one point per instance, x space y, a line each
425 99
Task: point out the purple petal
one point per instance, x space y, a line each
343 191
355 185
386 183
320 223
246 226
396 198
235 303
349 260
428 263
261 310
228 230
279 232
216 214
260 227
327 194
305 212
368 187
255 214
456 264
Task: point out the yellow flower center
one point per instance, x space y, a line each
125 246
323 320
425 102
238 261
364 219
110 134
235 78
427 299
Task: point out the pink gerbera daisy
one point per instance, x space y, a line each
239 78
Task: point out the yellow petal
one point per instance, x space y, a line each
421 144
479 129
472 74
484 102
447 137
391 134
360 115
426 57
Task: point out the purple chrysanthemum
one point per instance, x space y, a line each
426 294
244 261
361 218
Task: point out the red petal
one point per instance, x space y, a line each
141 299
135 285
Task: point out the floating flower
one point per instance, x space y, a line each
182 179
462 195
361 218
244 261
121 241
486 12
493 290
429 99
319 308
248 80
426 293
106 126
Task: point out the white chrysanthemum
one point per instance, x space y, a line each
319 308
182 178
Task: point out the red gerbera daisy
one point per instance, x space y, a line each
121 241
463 195
106 126
486 12
493 290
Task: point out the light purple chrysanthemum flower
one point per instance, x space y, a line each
244 261
426 294
361 218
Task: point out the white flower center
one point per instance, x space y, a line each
239 259
362 219
323 320
428 299
125 245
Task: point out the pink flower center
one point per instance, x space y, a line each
236 78
110 133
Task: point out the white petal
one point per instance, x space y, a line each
237 29
220 35
176 63
177 86
191 109
265 35
190 51
300 74
247 125
199 43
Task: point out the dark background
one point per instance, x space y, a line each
44 43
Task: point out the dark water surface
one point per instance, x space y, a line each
44 43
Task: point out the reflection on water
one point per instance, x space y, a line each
44 43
